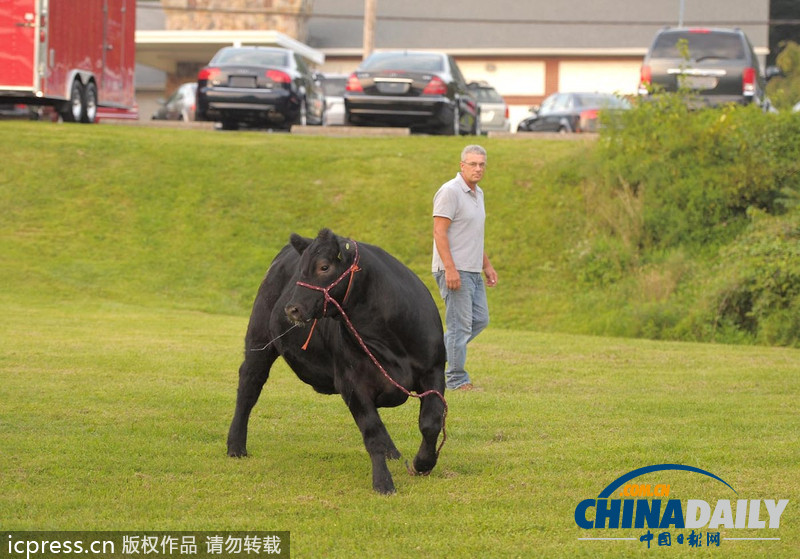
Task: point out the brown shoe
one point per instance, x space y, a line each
466 386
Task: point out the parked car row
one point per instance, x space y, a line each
426 91
273 87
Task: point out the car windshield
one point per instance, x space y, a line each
487 95
251 57
334 87
701 45
603 101
409 61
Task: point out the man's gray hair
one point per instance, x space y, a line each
472 149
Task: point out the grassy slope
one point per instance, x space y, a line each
129 259
192 219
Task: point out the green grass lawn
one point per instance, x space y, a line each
123 308
114 417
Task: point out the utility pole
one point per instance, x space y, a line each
680 14
369 27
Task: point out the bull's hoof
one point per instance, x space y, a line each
421 467
412 471
385 489
393 454
237 453
382 480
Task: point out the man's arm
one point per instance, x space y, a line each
440 228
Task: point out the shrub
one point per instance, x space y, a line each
784 91
755 290
697 171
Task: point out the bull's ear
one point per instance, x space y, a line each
346 248
299 243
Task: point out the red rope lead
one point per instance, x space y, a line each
326 292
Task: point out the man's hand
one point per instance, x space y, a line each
452 279
491 276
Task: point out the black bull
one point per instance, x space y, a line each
392 311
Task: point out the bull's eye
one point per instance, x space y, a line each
324 268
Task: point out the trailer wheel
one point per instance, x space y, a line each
89 103
73 111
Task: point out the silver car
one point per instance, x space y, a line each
180 105
494 110
333 86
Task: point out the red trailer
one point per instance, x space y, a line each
76 56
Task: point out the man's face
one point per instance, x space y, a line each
472 168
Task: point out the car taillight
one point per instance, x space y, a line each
587 121
354 84
208 74
749 82
435 87
506 111
278 77
646 78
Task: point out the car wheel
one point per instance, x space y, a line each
563 130
228 124
453 128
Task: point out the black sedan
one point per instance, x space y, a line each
259 87
570 112
424 91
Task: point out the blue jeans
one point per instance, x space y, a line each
466 315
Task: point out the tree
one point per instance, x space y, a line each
784 90
783 11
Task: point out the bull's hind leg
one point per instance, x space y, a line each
377 441
431 415
253 373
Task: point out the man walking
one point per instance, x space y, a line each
458 259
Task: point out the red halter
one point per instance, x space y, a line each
326 290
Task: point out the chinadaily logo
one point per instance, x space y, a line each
666 521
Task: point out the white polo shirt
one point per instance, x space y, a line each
456 201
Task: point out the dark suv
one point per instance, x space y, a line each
719 65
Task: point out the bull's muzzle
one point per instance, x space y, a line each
294 315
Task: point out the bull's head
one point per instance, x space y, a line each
325 263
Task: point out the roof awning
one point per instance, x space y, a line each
164 49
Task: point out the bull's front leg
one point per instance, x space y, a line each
377 441
431 416
253 373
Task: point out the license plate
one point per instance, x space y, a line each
487 116
393 88
242 81
698 82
